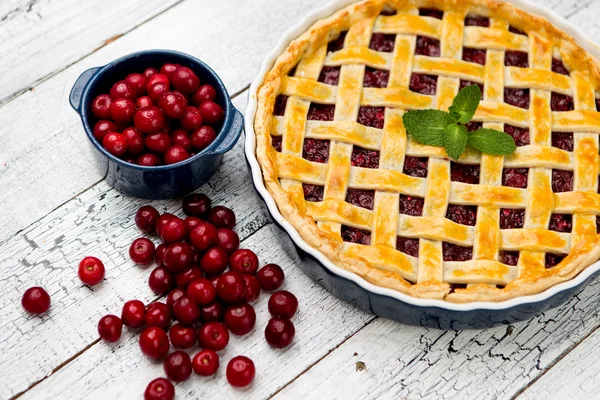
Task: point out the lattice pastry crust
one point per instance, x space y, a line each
342 170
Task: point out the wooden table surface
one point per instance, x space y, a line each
56 208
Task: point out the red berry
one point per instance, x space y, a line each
149 119
279 332
101 106
148 160
228 240
141 251
283 304
176 154
159 254
160 388
174 230
186 311
133 314
144 101
161 280
212 312
178 256
184 278
214 261
154 342
91 271
270 277
178 366
156 91
202 137
35 300
168 69
162 221
197 205
203 93
231 287
135 141
122 90
240 371
206 362
137 82
182 337
201 291
240 318
203 236
212 113
213 335
181 138
110 327
115 143
252 288
185 80
122 110
102 128
148 72
244 261
145 219
173 296
192 119
157 79
158 142
222 217
192 223
173 104
158 314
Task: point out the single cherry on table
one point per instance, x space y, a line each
35 300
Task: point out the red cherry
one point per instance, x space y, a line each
186 311
197 205
185 80
141 251
279 332
145 219
144 101
222 217
178 256
202 137
203 93
158 142
173 104
102 128
159 254
115 143
160 388
149 119
156 90
161 280
231 287
122 89
181 138
244 261
110 327
184 278
214 261
178 366
158 314
101 106
201 291
137 82
192 119
240 371
174 230
154 342
270 277
240 318
228 240
168 69
133 314
283 304
148 160
173 296
252 288
182 337
91 271
122 110
135 141
192 223
162 221
35 300
206 362
212 312
148 72
157 78
203 236
176 154
212 113
213 335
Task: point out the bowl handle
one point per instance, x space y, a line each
237 126
77 90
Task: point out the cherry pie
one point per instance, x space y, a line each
339 164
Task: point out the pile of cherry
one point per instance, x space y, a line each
209 283
157 117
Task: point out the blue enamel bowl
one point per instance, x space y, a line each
166 181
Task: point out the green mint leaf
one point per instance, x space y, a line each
491 141
455 140
427 126
465 103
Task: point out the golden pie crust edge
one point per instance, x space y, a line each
581 256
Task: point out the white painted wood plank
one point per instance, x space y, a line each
41 37
45 159
322 321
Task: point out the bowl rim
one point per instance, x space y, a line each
250 144
83 114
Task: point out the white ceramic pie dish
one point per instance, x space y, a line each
414 310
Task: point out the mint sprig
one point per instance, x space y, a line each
448 130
